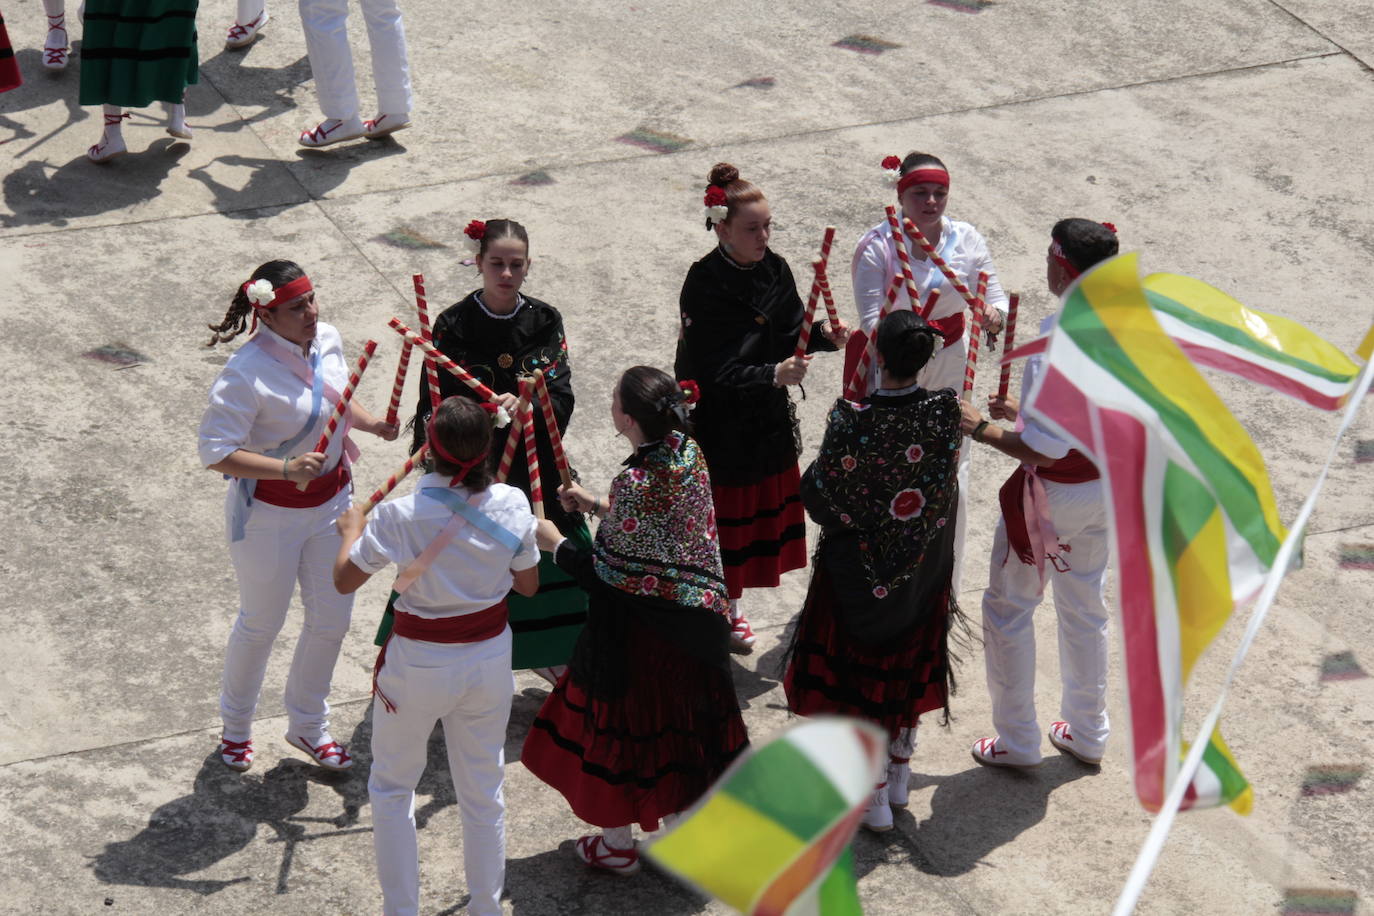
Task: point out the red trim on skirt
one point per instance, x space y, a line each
762 530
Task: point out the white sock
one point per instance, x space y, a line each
176 117
55 8
250 10
621 838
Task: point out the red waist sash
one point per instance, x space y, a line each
1026 511
476 627
316 493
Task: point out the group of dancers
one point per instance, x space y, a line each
634 626
136 52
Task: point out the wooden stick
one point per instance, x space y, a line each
512 442
443 362
809 316
396 477
972 364
431 373
1013 301
394 408
560 459
823 276
857 385
342 407
903 256
531 451
940 262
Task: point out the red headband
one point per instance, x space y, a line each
922 176
1057 253
284 293
463 466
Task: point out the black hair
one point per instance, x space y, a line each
905 343
654 400
1085 242
914 161
278 273
503 229
463 428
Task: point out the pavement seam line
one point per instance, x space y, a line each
1322 35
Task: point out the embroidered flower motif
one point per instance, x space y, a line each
879 592
848 463
892 169
708 598
940 523
629 525
639 475
648 584
716 204
915 454
844 517
711 524
691 524
907 504
260 292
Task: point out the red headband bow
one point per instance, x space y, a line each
463 466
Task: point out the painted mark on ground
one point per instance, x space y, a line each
758 82
533 179
404 237
1318 901
963 6
116 355
1357 556
654 140
865 44
1341 666
1331 779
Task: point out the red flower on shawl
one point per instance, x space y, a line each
648 583
915 454
892 162
630 525
715 196
475 230
848 463
907 504
711 524
639 475
880 592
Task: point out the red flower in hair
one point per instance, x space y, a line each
691 389
715 196
892 162
1109 227
475 230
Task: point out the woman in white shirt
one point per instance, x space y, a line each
267 409
922 195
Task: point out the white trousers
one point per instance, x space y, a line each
331 60
1014 591
467 687
281 547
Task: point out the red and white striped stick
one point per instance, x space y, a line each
857 386
941 263
443 362
1012 302
394 408
972 364
823 277
560 459
531 451
431 373
809 316
341 408
513 439
903 256
396 477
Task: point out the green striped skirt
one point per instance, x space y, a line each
136 53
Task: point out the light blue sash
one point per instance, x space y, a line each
475 517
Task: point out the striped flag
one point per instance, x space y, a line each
772 836
1194 522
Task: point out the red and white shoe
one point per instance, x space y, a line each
742 636
111 141
241 35
988 752
327 754
1061 739
55 48
331 130
595 852
236 755
384 125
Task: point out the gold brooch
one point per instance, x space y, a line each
505 361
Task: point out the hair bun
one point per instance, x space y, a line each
722 174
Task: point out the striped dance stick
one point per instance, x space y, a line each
396 477
857 386
560 458
443 362
809 316
903 256
823 276
341 408
394 408
941 263
513 439
1012 302
972 364
431 373
532 452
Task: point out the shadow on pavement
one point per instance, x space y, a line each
39 193
972 813
555 883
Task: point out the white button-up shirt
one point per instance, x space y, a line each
472 572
